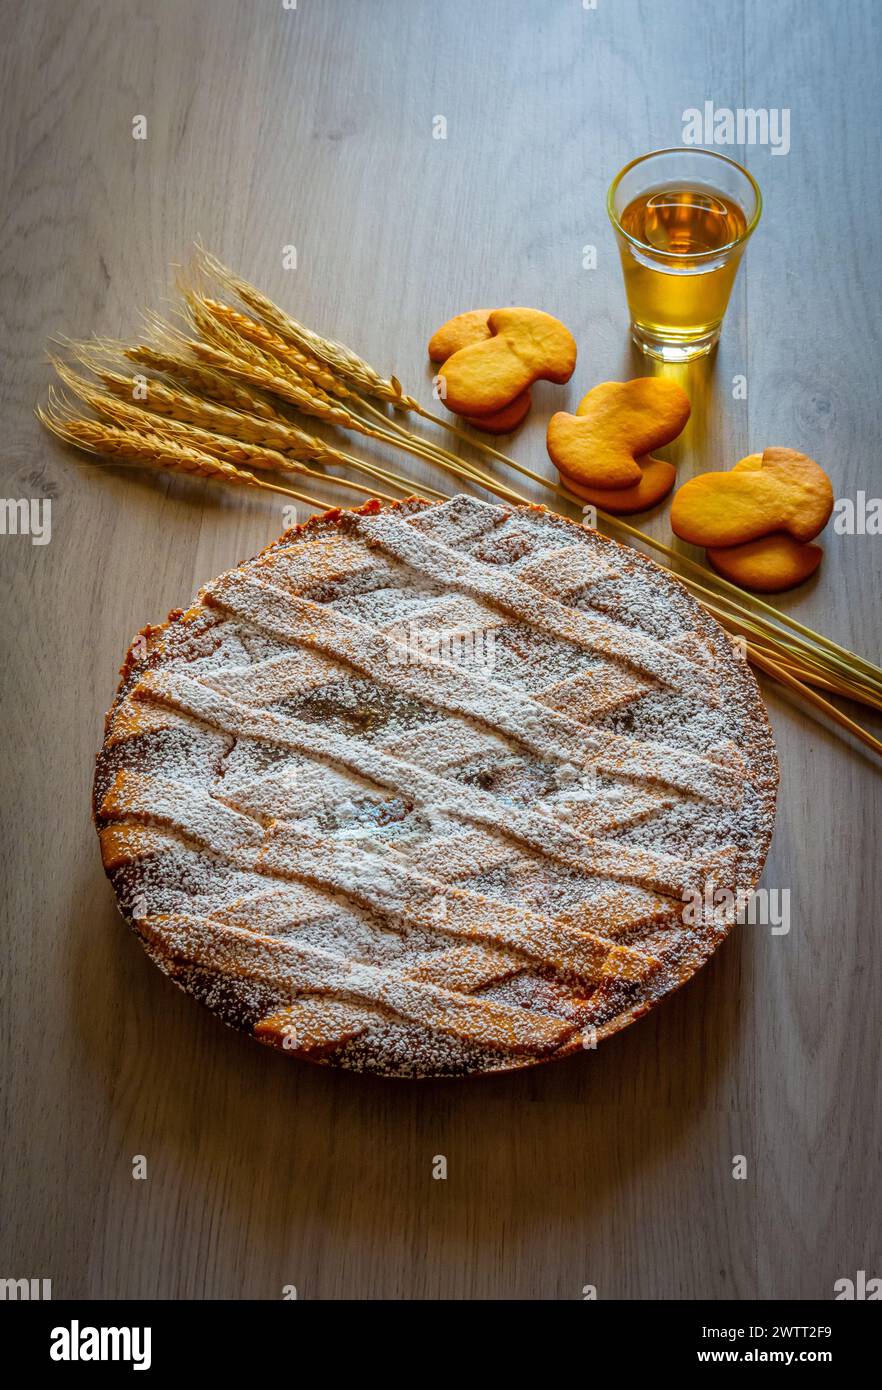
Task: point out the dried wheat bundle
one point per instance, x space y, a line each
221 446
246 363
188 372
124 444
160 397
208 316
231 354
346 363
224 334
220 430
238 340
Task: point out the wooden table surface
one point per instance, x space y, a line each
269 127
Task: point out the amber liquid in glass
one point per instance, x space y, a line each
681 295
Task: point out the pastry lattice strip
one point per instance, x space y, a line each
590 694
314 1025
318 1024
610 911
564 572
443 565
310 1025
420 901
609 858
399 542
291 967
541 729
381 884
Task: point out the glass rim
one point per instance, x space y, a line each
674 255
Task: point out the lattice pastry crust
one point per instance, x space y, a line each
421 790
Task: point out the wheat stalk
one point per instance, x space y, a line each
213 385
784 677
340 358
221 446
246 340
188 372
270 444
346 363
246 363
225 336
206 314
172 401
812 675
166 398
124 444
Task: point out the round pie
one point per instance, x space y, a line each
435 789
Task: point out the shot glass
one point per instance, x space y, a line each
682 218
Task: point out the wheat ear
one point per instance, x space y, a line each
201 380
221 446
203 312
164 397
249 363
246 363
161 397
186 371
147 447
222 333
202 422
346 363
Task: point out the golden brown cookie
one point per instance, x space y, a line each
505 420
615 425
656 480
527 345
787 492
459 332
768 565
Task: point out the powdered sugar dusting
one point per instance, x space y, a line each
375 846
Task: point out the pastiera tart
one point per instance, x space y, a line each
422 790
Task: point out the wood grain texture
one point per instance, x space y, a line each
313 127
